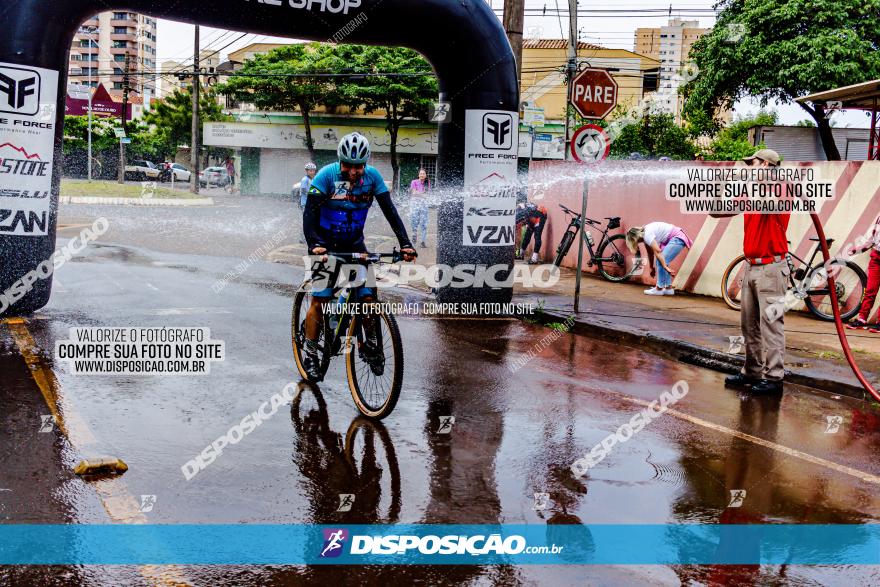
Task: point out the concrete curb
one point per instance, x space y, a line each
136 201
685 352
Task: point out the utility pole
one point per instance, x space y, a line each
514 22
570 67
194 146
92 44
125 85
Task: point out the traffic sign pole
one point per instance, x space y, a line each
532 149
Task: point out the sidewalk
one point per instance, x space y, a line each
696 329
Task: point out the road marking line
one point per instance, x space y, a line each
119 503
866 477
861 475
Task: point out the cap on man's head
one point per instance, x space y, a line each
768 155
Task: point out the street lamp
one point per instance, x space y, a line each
90 30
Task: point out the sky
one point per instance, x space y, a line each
610 24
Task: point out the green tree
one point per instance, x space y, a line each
279 80
76 133
170 120
105 145
789 49
732 142
653 135
404 96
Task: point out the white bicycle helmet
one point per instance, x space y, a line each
354 148
311 167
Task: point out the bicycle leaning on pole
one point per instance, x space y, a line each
614 259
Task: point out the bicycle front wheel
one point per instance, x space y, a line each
849 283
731 283
562 249
618 262
375 371
302 301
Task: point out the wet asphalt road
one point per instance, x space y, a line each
515 434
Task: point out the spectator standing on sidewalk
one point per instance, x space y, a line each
764 282
230 169
860 322
664 242
418 206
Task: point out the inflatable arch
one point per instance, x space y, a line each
462 39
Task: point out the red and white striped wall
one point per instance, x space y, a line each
635 191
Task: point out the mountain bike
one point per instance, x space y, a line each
809 283
614 261
375 375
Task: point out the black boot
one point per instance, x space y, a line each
740 380
767 386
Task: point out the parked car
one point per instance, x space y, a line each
181 173
217 176
141 171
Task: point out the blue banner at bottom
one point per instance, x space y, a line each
421 544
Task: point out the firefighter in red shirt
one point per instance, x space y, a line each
764 283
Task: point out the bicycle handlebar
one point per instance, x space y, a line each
576 214
393 257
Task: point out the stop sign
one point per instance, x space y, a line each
594 93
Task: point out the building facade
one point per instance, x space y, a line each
99 50
543 77
173 74
802 143
671 45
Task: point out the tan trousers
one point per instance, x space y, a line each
763 329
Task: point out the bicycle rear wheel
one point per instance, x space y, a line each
302 301
375 376
562 249
731 283
850 283
622 263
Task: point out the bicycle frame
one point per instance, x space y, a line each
800 286
576 224
334 340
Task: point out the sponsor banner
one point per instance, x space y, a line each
490 177
421 544
490 149
489 218
27 138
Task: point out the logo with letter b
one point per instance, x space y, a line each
19 91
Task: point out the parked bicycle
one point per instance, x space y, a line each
614 261
375 376
809 283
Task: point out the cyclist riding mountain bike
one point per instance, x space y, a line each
534 217
336 210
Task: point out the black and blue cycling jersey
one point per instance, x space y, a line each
336 211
